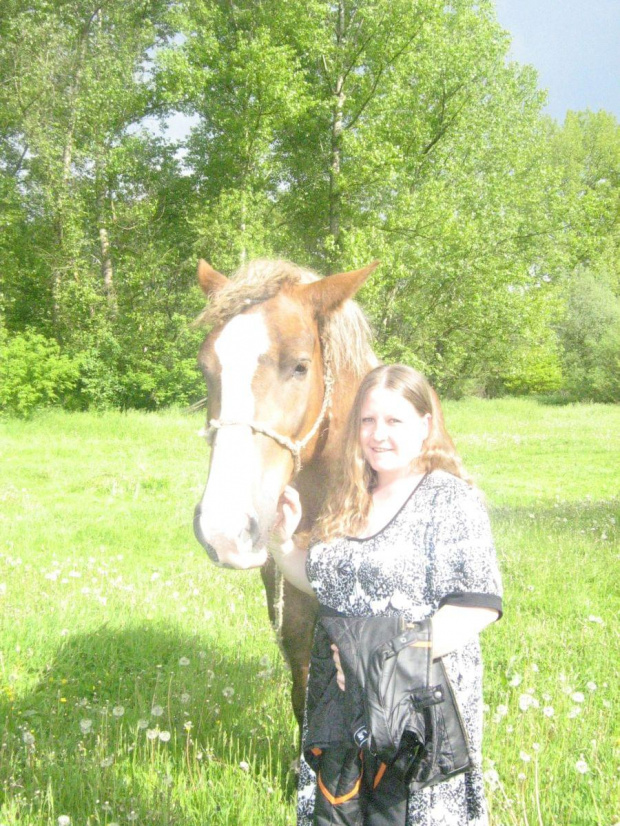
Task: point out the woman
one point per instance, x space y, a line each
406 534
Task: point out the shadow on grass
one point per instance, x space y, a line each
120 714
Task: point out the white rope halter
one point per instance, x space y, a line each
295 448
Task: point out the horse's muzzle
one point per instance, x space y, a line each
244 551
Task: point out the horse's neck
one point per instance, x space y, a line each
315 479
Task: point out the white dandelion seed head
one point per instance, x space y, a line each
526 701
521 776
536 746
164 736
28 738
86 726
577 697
502 710
548 711
574 712
185 698
525 756
184 661
491 778
64 820
228 692
244 766
152 733
142 724
157 711
264 661
581 765
591 686
118 711
515 680
597 620
106 762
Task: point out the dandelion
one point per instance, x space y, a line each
28 738
581 765
142 724
574 712
526 701
491 778
228 692
188 726
152 733
184 661
202 655
244 766
521 776
577 697
525 756
86 726
598 620
118 711
157 711
164 736
591 686
64 820
184 698
264 661
548 711
132 816
106 762
536 746
515 680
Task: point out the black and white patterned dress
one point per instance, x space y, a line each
437 550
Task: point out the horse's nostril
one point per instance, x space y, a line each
253 529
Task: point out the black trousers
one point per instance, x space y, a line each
355 789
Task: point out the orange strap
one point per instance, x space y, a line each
379 775
336 801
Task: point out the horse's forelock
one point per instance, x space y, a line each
252 284
345 334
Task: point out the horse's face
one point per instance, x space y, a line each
262 367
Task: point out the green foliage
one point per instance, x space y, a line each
33 373
329 133
590 338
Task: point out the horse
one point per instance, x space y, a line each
283 357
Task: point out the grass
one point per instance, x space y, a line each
140 684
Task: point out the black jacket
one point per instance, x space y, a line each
398 705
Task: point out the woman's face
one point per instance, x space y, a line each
391 433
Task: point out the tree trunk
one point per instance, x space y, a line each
335 194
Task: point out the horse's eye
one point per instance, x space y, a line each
301 369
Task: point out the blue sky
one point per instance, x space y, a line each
575 47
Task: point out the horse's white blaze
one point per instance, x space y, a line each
227 500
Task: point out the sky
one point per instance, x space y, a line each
575 47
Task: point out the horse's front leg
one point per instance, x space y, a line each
292 614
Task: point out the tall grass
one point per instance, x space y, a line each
140 684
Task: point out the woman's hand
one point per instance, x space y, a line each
339 671
288 516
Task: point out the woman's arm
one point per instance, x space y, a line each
454 626
289 557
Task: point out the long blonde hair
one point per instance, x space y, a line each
348 505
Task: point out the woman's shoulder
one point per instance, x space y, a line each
448 488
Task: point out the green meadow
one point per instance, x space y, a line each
139 684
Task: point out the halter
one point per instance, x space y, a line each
295 448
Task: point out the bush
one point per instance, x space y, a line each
590 339
33 373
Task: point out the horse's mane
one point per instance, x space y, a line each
345 334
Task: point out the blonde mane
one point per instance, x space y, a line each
345 334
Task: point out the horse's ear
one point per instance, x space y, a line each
329 293
210 280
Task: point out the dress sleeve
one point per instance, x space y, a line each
463 563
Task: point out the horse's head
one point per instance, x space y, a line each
266 382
